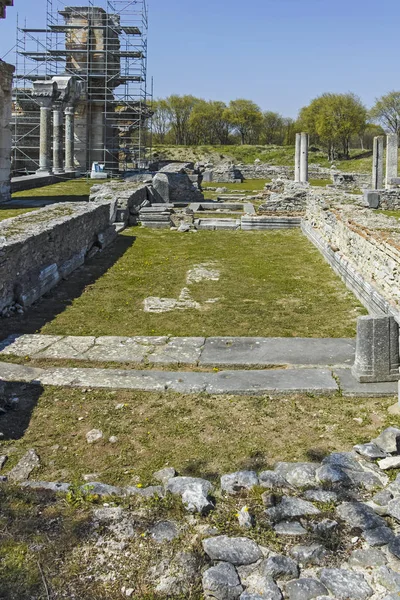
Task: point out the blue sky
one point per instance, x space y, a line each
279 53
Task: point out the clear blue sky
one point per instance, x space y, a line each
279 53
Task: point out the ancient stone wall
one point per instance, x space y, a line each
128 197
362 247
40 248
6 74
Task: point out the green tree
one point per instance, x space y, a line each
386 111
160 120
334 118
272 128
208 124
179 109
246 118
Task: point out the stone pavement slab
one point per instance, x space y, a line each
275 382
215 351
227 351
72 346
27 345
22 373
123 349
318 381
351 387
178 350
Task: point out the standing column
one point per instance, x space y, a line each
297 158
45 145
69 140
392 143
304 157
377 163
57 141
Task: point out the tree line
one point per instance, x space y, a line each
335 122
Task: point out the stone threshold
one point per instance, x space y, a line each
274 382
195 351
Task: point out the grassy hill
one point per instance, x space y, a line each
360 161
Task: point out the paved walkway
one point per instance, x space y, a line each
318 366
274 382
199 351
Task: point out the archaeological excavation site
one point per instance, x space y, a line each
199 331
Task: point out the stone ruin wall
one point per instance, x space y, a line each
362 247
40 248
6 75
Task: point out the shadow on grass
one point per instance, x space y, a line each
17 403
40 201
57 300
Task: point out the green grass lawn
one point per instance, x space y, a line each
249 185
390 213
197 434
271 284
65 191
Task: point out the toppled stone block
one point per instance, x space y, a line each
25 466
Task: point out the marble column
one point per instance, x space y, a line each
304 157
377 163
69 139
45 145
392 151
297 158
57 140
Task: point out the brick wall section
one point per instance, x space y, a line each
40 248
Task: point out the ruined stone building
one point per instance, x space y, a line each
83 76
6 75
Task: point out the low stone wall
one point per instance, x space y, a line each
40 248
30 182
362 247
389 199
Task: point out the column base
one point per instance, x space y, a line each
43 171
58 171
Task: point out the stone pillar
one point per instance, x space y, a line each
304 157
45 136
392 143
297 158
377 350
6 75
57 141
69 140
377 164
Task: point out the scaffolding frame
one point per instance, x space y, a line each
104 44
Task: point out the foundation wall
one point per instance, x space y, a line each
367 260
40 248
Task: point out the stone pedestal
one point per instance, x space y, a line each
57 141
69 140
391 157
377 164
45 136
304 157
377 350
297 158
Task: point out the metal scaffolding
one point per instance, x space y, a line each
103 43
